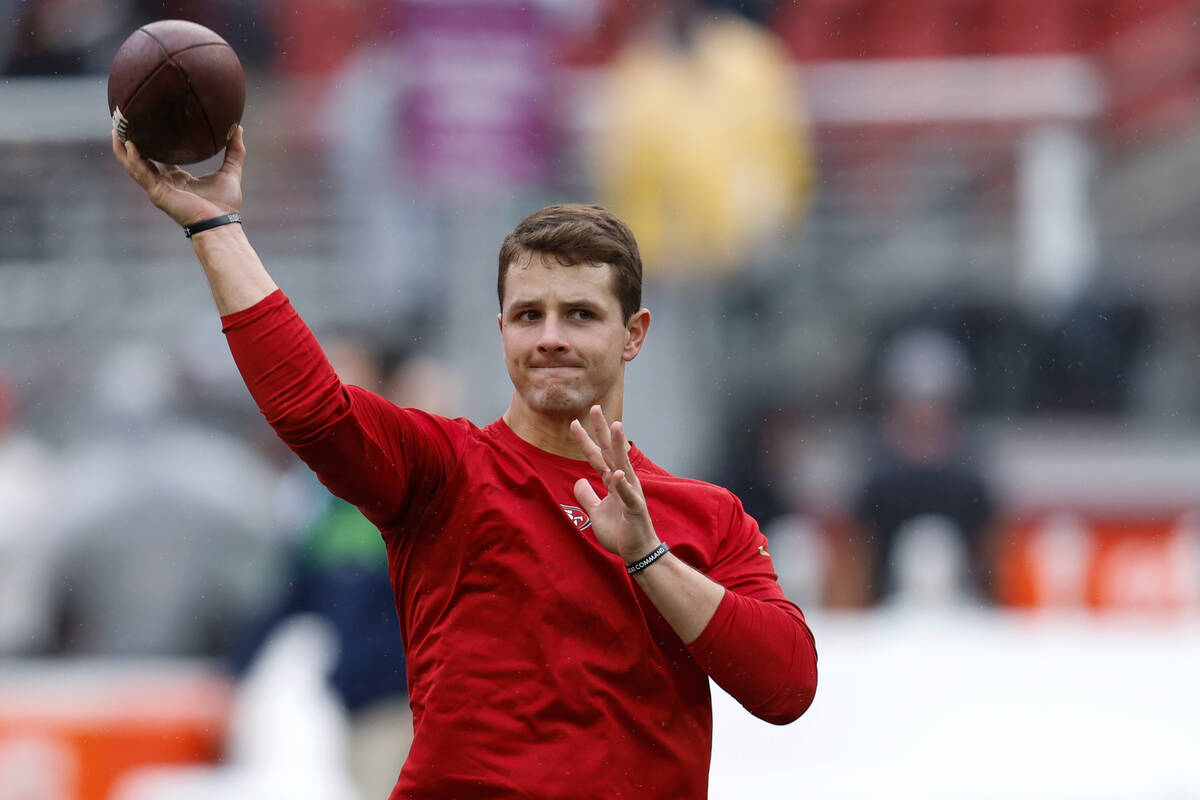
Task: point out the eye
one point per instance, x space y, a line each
581 314
528 315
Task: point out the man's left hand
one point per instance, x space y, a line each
620 520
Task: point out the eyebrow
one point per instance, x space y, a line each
569 303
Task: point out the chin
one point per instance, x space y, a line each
559 401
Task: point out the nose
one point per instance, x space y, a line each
552 339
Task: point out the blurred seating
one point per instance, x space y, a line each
849 29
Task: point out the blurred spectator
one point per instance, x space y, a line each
338 571
929 564
757 444
28 536
65 37
760 448
167 524
478 110
924 506
1088 361
702 149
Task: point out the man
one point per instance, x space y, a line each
556 647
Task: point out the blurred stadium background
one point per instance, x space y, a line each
925 291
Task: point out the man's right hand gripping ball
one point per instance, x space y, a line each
185 198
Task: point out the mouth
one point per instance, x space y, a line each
557 374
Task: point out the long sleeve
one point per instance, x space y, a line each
757 646
762 655
285 369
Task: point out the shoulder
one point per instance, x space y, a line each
663 486
459 427
407 427
364 399
704 523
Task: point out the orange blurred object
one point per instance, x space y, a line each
73 730
1070 560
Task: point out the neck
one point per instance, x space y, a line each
552 432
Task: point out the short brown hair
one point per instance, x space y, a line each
579 234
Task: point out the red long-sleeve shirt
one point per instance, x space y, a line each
537 667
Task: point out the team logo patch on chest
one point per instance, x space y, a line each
578 518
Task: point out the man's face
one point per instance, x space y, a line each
565 342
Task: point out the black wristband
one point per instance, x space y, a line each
642 563
196 227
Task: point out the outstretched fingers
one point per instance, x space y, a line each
621 446
591 451
631 495
607 451
621 450
604 436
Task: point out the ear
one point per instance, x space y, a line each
500 322
635 334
